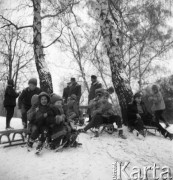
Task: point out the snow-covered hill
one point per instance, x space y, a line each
92 161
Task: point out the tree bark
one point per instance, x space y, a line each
42 67
119 79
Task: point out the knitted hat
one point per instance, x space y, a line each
137 95
33 81
54 98
44 94
73 79
10 82
110 90
93 77
34 100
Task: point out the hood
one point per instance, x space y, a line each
44 94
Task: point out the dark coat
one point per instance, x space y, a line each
25 97
10 97
66 93
75 89
93 88
132 111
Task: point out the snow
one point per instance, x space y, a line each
92 161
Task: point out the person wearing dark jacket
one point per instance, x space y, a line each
24 101
75 88
94 85
42 117
66 93
138 116
10 102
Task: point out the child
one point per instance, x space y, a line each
72 107
158 106
61 130
10 102
43 115
103 113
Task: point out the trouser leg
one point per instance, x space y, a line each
24 116
159 116
95 122
9 115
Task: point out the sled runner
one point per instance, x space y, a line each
12 141
109 128
146 128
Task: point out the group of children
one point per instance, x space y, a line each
50 122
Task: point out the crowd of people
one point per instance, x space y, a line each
50 118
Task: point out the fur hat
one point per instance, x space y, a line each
54 98
34 100
44 94
10 82
33 81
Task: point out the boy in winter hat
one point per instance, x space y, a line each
103 113
61 130
24 101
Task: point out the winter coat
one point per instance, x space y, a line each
72 107
132 110
10 97
66 93
75 89
93 88
158 102
101 106
25 97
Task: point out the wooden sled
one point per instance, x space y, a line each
147 128
12 141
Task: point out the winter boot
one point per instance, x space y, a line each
96 133
30 144
169 135
121 134
141 132
39 147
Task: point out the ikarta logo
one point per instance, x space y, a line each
123 171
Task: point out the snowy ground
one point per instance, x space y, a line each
92 161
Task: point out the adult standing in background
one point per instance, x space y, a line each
75 88
66 92
94 85
24 102
10 102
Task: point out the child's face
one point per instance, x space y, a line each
44 100
58 103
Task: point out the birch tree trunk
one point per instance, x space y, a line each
119 79
42 67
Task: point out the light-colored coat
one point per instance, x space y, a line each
158 102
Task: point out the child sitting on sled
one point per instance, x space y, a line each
41 117
62 133
73 113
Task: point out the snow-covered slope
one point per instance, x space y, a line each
92 161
